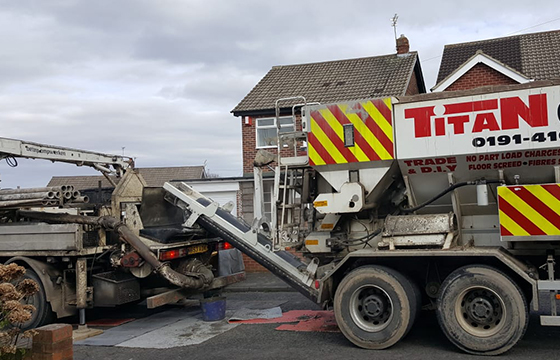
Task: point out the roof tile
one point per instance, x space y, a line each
536 55
332 81
155 177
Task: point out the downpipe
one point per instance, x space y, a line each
197 275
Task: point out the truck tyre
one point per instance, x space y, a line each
43 313
375 306
481 310
417 299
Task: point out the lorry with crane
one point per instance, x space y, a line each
98 251
445 201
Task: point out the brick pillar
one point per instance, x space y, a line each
53 342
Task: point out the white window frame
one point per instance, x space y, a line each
268 199
283 128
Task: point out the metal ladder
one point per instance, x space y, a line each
289 207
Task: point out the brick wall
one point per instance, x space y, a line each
412 86
249 134
480 75
53 342
252 266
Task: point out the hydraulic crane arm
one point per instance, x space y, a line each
106 163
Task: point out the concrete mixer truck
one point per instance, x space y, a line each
448 201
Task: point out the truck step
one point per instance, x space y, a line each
548 320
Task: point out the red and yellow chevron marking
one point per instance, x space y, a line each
373 132
528 210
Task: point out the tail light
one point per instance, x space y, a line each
172 254
225 246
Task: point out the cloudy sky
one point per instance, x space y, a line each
158 78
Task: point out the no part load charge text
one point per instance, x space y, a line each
513 159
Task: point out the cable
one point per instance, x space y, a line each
449 189
534 26
11 161
363 240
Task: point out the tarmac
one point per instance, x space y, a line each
259 282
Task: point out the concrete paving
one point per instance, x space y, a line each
261 282
264 341
178 326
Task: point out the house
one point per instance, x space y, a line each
502 61
324 82
221 190
154 177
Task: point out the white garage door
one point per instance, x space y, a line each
220 191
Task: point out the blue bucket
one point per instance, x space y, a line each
213 309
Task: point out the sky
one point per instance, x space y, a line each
156 80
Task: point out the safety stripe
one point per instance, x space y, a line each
332 140
384 106
380 142
508 226
372 126
527 210
331 155
339 112
335 119
554 189
549 215
379 119
314 157
504 231
519 218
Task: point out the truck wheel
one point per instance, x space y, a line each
43 313
375 306
481 310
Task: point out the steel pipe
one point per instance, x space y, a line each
26 196
15 203
81 199
198 276
30 190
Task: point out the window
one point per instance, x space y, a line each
267 199
267 135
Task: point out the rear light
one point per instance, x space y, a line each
225 246
172 254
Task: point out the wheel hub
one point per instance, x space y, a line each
480 311
374 305
371 308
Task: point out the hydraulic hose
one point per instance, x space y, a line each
198 276
449 189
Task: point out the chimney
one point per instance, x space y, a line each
402 45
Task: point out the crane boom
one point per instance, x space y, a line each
106 163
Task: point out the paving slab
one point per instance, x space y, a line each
261 282
190 331
139 327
